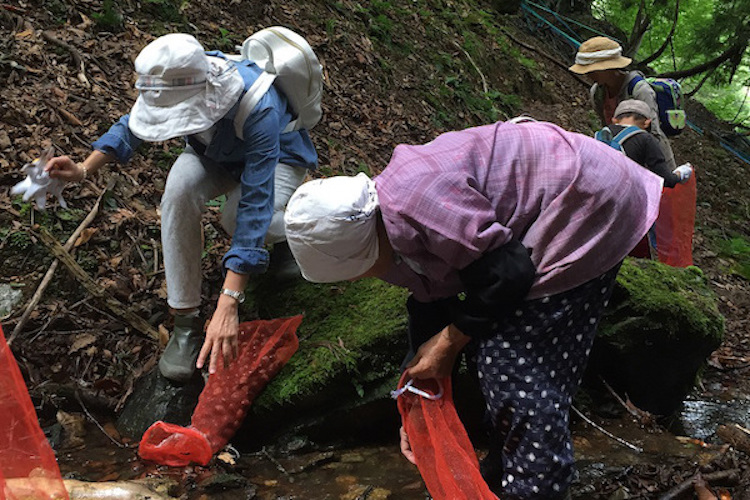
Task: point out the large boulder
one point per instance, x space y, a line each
352 342
660 326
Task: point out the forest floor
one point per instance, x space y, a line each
69 74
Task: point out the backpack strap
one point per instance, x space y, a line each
604 135
626 134
250 100
632 83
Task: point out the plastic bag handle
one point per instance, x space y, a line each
419 392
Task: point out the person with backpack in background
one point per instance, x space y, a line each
627 133
601 59
509 238
243 150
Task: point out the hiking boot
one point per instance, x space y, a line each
177 362
282 268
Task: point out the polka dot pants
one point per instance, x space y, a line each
529 371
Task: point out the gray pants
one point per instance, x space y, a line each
194 180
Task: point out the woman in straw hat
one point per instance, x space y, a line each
509 237
601 59
185 91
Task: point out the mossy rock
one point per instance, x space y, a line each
352 342
660 326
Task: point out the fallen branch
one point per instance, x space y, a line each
484 80
728 477
96 422
77 59
606 432
114 305
53 267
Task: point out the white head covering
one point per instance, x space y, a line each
182 90
331 228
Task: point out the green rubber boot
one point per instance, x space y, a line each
177 362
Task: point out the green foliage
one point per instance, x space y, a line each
345 326
58 10
223 42
167 11
110 18
705 29
737 249
678 298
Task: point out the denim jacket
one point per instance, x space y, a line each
251 161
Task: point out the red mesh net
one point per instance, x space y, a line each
442 449
265 346
674 227
28 468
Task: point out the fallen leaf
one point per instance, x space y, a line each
163 335
85 236
70 117
74 429
81 341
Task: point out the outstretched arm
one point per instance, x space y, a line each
65 169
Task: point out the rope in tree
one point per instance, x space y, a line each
528 10
563 19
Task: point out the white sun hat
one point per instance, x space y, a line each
331 228
182 90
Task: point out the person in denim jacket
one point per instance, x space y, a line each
185 91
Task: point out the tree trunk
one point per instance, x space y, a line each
664 46
725 56
640 26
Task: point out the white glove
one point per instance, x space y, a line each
684 171
38 182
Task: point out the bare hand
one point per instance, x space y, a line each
221 335
436 357
65 169
406 446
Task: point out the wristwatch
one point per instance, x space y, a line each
238 296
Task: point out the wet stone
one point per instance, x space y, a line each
157 398
9 299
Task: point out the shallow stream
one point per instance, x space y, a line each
379 471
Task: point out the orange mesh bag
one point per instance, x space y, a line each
28 468
445 457
264 348
675 224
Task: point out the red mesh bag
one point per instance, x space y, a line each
264 348
28 468
675 224
445 457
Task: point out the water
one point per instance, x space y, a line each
380 472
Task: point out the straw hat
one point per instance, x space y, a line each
182 90
599 53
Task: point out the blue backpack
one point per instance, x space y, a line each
616 141
672 118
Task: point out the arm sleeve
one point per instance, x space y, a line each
118 141
246 254
495 284
646 150
426 319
